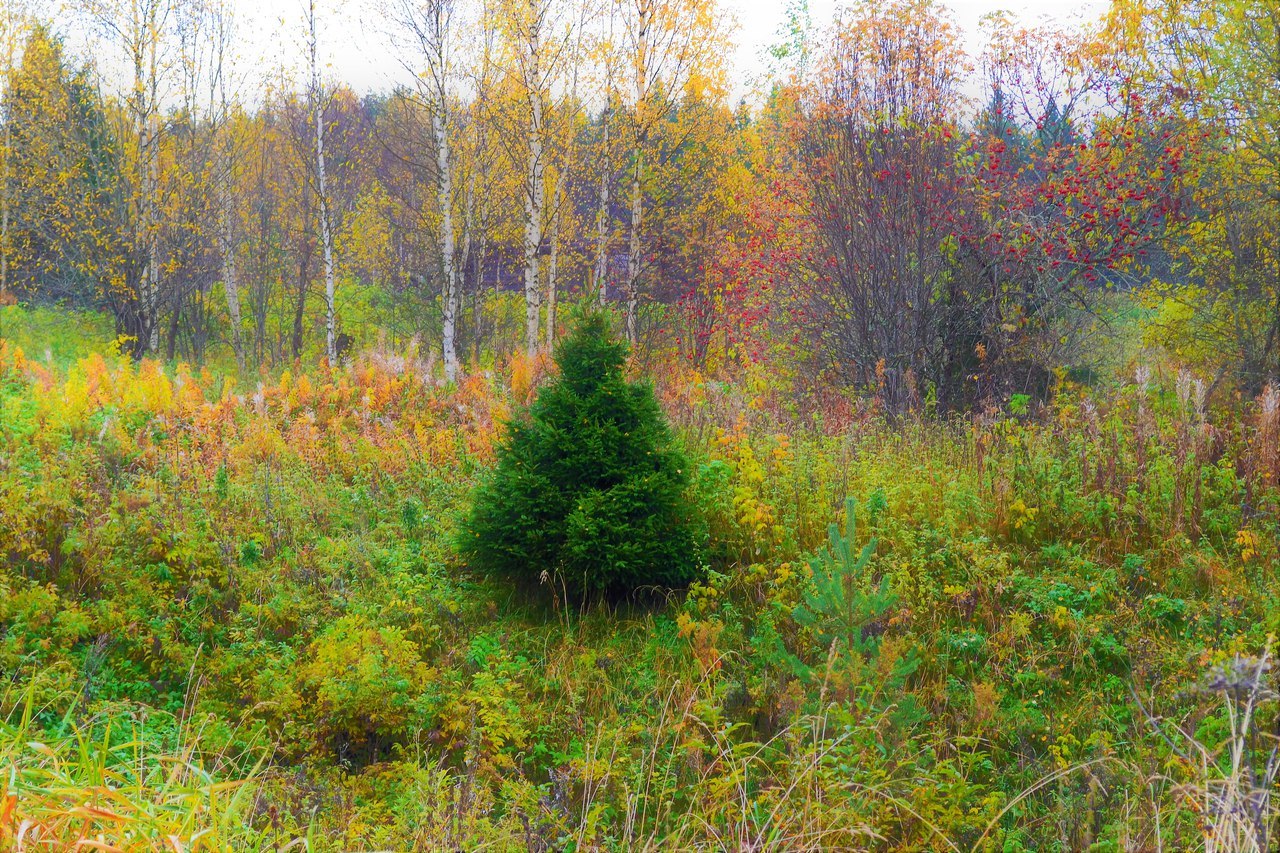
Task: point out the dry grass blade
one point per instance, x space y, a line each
79 791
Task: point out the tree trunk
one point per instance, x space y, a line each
4 210
444 189
148 325
553 264
600 273
633 253
534 201
326 238
151 290
326 223
229 281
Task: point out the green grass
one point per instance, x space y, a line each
216 575
53 336
111 779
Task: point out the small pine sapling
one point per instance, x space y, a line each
844 611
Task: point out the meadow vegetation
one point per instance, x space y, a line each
579 446
238 615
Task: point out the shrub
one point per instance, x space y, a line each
589 490
358 684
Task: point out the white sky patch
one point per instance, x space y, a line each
762 24
357 49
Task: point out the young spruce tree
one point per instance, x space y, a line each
589 487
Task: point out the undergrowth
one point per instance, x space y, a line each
191 572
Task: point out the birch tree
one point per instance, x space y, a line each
316 103
543 42
530 20
142 40
533 60
224 128
430 25
138 30
668 43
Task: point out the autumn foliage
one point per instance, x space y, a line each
931 503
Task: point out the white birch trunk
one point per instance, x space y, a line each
600 273
444 190
534 195
326 237
634 249
326 225
4 211
230 283
553 263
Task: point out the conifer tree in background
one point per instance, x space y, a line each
589 491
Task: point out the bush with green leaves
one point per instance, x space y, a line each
590 492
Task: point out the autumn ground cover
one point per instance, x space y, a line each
963 446
232 616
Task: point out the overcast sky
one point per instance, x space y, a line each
760 22
269 35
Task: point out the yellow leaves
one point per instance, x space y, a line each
1066 750
702 636
438 446
522 376
1023 515
685 625
1062 618
753 513
366 240
67 796
1247 542
14 357
301 393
